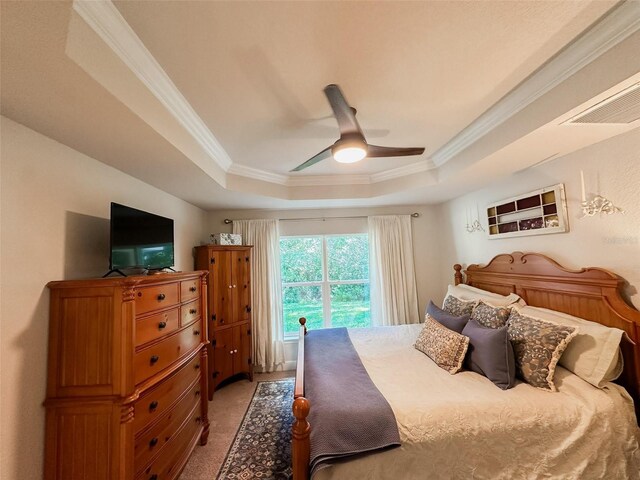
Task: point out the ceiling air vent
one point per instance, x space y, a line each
623 107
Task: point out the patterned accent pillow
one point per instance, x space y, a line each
445 347
457 307
538 345
490 316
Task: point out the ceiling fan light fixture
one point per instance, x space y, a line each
349 154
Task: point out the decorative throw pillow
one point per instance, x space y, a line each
452 322
594 355
490 354
445 347
468 292
457 307
490 316
538 345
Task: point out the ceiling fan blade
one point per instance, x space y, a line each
323 155
375 151
343 112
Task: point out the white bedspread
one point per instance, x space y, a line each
462 426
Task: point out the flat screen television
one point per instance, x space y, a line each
140 239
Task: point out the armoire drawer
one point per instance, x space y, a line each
156 326
158 356
156 297
159 399
150 441
166 464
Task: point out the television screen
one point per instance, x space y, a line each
140 239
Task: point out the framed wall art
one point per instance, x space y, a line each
539 212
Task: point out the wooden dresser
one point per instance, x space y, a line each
127 377
229 311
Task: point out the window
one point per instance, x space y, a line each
326 280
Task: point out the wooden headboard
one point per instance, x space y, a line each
590 293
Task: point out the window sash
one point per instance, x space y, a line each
325 284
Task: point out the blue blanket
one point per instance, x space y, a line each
349 416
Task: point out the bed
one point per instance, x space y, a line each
577 432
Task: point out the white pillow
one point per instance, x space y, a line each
594 354
467 292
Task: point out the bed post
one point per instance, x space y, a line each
300 446
300 441
458 275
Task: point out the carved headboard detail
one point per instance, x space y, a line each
590 293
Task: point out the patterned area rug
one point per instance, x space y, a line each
262 447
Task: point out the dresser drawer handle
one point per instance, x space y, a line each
154 359
193 289
161 297
197 393
196 366
153 442
235 351
153 405
196 332
162 325
193 311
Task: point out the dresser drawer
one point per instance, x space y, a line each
156 297
189 313
189 290
149 442
156 326
172 456
158 400
155 358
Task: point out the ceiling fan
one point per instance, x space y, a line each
351 147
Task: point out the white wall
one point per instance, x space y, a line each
55 225
611 168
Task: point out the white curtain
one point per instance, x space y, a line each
394 297
266 291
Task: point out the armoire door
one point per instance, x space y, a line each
242 348
243 277
223 355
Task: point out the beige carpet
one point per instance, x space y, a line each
226 412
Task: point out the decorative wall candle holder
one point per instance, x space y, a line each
597 205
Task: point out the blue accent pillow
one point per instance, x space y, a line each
490 353
446 319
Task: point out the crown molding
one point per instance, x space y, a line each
619 24
328 180
411 169
105 19
257 174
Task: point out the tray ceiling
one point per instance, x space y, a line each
235 97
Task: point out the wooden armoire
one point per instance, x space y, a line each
229 311
127 377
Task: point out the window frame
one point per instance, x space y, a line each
325 284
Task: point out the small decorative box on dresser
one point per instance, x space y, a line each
127 377
229 311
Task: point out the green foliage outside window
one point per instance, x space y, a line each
302 262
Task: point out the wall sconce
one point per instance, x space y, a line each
597 204
474 226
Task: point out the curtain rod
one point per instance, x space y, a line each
227 221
